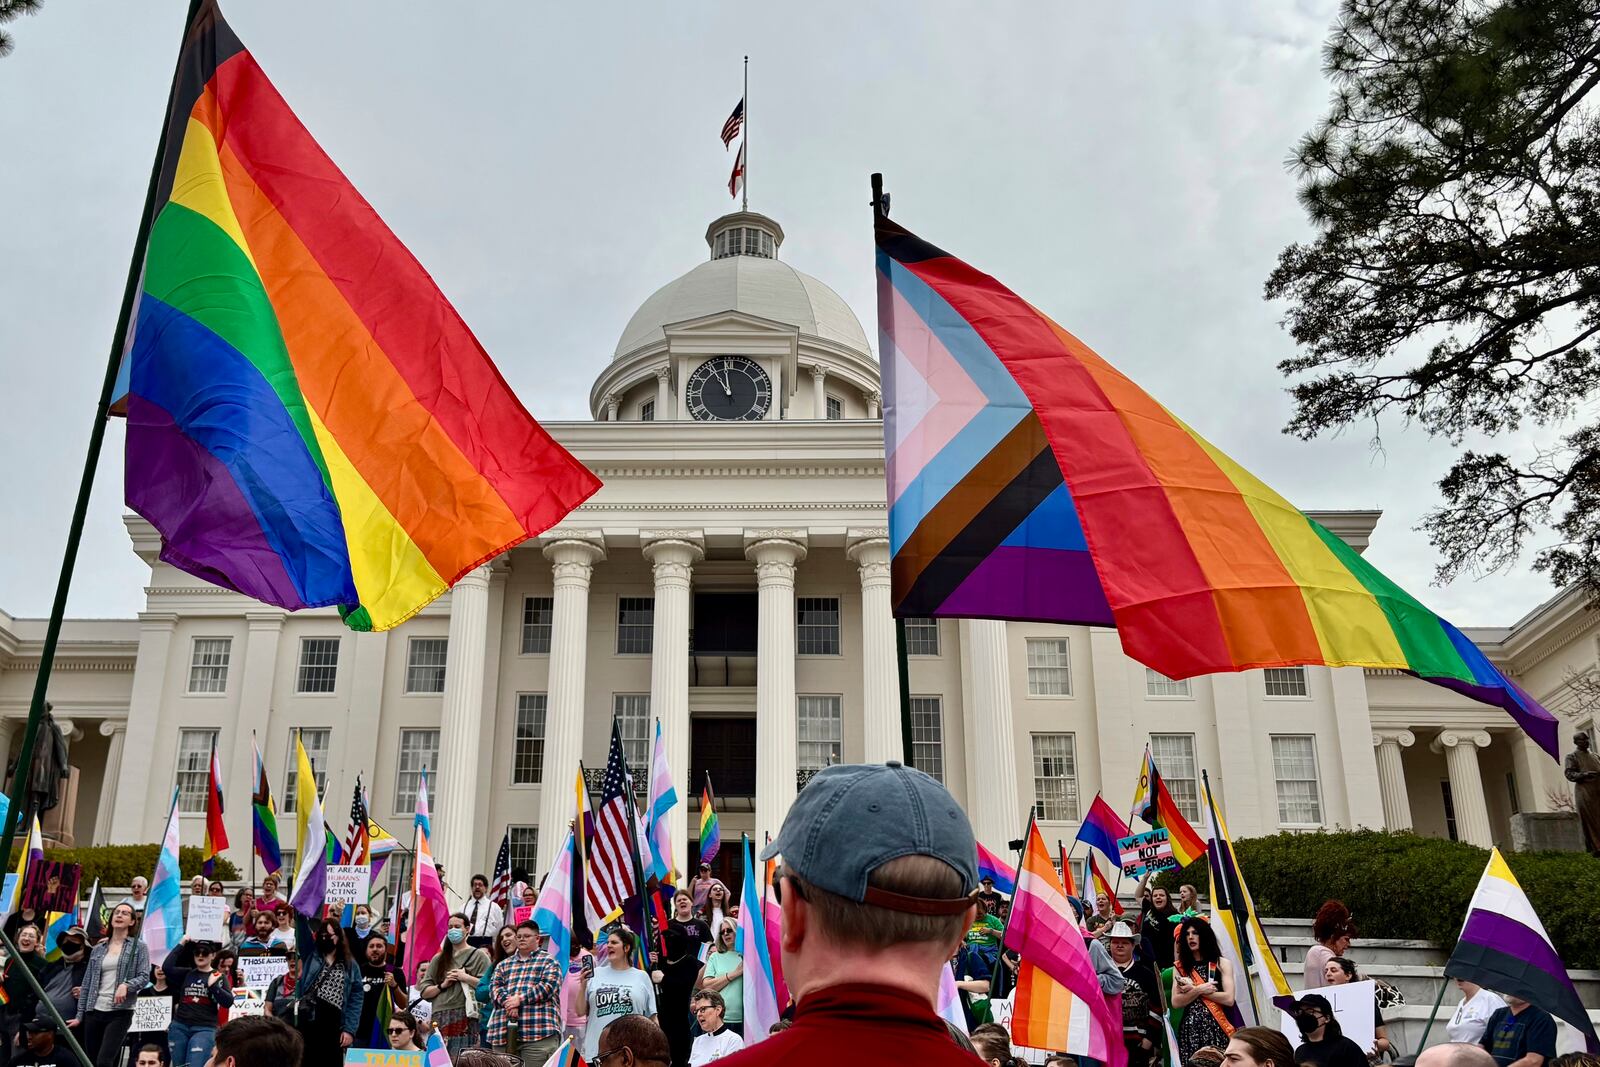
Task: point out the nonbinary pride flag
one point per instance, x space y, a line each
1030 479
309 420
1503 947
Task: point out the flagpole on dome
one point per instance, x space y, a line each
91 462
744 147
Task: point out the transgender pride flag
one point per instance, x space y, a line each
553 910
162 927
761 1005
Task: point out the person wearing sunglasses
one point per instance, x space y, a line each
633 1041
402 1031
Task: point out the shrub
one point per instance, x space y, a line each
1400 885
118 865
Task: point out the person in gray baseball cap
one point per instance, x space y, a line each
878 871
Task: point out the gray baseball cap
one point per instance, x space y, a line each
851 819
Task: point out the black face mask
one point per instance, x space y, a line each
1307 1022
326 942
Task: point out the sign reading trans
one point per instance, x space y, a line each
1149 851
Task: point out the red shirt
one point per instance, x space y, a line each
845 1025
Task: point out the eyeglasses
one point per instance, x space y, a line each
603 1056
399 1029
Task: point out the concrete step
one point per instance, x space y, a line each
1366 951
1406 1025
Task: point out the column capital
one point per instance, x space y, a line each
572 560
693 537
1455 738
113 727
1403 738
672 559
68 728
818 371
612 405
775 559
664 373
871 557
264 621
477 577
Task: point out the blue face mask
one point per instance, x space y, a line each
456 936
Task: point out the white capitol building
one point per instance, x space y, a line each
732 580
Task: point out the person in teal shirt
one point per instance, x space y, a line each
721 974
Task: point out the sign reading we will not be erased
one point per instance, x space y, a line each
1149 851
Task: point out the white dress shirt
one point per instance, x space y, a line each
484 918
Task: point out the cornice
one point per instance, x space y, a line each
64 663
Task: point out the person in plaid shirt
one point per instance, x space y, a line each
526 988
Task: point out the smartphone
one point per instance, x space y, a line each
588 966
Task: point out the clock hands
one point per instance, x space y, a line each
727 386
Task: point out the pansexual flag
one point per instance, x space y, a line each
309 420
1503 947
1029 479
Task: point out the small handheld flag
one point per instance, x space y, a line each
710 829
1102 886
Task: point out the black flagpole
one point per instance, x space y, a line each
80 510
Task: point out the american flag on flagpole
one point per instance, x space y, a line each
736 179
611 880
500 888
730 129
357 838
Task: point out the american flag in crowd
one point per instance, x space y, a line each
357 839
730 129
611 879
500 888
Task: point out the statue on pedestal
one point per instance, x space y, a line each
1582 769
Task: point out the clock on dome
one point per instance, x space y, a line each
729 389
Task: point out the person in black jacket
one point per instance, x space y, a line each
63 979
1322 1043
22 1003
200 989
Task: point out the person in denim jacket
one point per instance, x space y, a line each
119 967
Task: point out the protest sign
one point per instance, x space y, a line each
381 1057
257 972
247 1002
522 913
52 886
1149 851
151 1013
208 919
1355 1008
421 1010
348 883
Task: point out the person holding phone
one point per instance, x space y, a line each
607 993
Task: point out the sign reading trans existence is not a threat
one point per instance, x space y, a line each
1149 851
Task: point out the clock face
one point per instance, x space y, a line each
729 389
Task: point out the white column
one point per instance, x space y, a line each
117 731
128 822
994 801
819 382
460 722
612 403
873 400
263 639
1460 748
672 555
1247 799
1392 776
572 561
1358 764
664 392
775 558
880 668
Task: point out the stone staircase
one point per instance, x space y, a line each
1416 968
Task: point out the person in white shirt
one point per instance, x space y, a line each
484 917
715 1040
1471 1017
140 886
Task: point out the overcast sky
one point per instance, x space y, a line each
1121 166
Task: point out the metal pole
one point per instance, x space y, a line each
1016 876
907 744
44 1002
744 149
80 510
1422 1042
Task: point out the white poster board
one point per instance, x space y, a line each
421 1010
257 972
208 919
247 1002
151 1013
1354 1008
348 883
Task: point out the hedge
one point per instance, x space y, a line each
118 865
1400 885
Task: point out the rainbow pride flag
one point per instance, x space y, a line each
1029 479
710 828
1153 803
264 816
310 422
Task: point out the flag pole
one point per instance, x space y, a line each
91 461
1246 949
744 149
1016 876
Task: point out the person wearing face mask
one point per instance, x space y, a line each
63 978
1322 1043
330 998
359 930
452 978
201 990
376 976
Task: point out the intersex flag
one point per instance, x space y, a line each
162 925
310 422
1153 803
216 839
264 817
1043 930
1504 947
761 1005
1030 479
